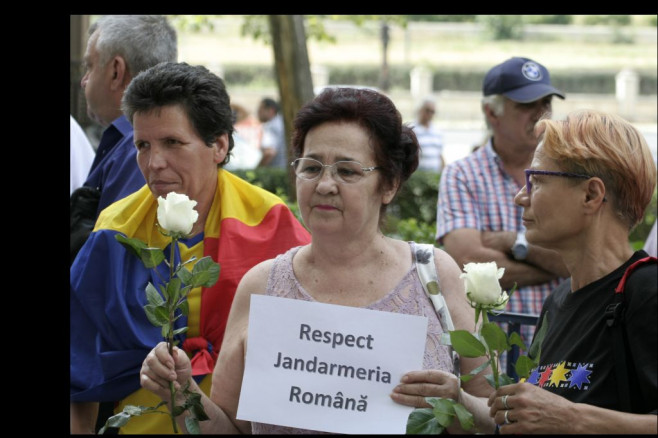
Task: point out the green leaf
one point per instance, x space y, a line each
134 246
198 412
184 307
205 273
153 296
180 330
192 425
165 330
444 411
184 292
173 290
479 369
465 344
134 410
490 379
177 410
465 418
504 379
185 275
151 257
515 339
422 422
465 377
494 336
128 412
118 420
523 366
157 315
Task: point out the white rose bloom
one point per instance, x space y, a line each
482 285
176 213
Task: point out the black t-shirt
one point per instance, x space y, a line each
577 358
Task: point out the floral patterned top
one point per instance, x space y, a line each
407 297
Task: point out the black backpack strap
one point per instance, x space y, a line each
614 315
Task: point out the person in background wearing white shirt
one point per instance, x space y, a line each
429 137
82 155
273 142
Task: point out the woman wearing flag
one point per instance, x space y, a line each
183 135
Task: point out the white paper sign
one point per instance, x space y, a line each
328 368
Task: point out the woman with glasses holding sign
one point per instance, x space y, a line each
353 154
591 179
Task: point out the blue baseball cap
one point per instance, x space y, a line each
521 80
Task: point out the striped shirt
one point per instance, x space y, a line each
431 147
475 192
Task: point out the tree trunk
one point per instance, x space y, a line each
293 73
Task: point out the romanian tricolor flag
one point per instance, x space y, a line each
110 334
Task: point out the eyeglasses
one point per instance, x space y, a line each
347 172
530 172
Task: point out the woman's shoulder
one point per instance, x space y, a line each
445 263
259 273
641 284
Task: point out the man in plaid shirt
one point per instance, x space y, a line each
477 220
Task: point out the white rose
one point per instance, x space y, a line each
176 213
482 285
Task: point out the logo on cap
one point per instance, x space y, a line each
531 71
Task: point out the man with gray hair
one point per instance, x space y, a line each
477 220
118 48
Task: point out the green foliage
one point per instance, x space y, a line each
412 214
258 27
422 422
548 19
417 197
271 179
122 418
243 75
150 257
442 18
491 341
410 229
640 233
274 180
361 20
502 27
619 20
193 23
466 344
433 421
162 311
601 81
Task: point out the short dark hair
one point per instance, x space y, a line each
395 144
268 102
201 93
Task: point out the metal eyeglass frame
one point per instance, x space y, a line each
529 172
332 170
